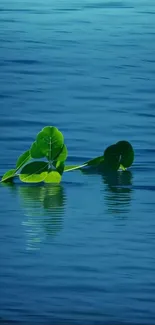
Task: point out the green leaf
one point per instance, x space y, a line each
53 177
34 172
111 158
9 175
63 155
127 153
122 167
119 155
60 167
23 159
59 163
50 141
36 152
95 161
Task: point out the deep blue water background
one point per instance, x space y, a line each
82 252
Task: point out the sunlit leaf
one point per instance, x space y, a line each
59 163
63 154
34 172
9 175
122 167
53 177
23 159
36 153
50 141
127 153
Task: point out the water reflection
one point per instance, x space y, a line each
117 190
44 209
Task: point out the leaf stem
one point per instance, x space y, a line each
75 167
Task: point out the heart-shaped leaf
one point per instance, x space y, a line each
36 152
50 141
127 153
34 172
111 158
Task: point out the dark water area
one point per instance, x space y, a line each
82 252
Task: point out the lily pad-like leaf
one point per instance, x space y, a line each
34 172
111 158
127 153
53 177
36 152
23 159
9 175
50 141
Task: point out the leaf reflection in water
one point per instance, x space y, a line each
44 209
117 190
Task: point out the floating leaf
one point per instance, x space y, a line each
36 152
23 159
127 153
34 172
9 175
111 158
119 155
50 141
63 155
50 144
53 177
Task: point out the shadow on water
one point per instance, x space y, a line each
43 207
117 190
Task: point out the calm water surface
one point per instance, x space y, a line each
82 252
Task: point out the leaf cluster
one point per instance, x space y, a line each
49 145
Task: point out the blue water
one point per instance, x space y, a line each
82 252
